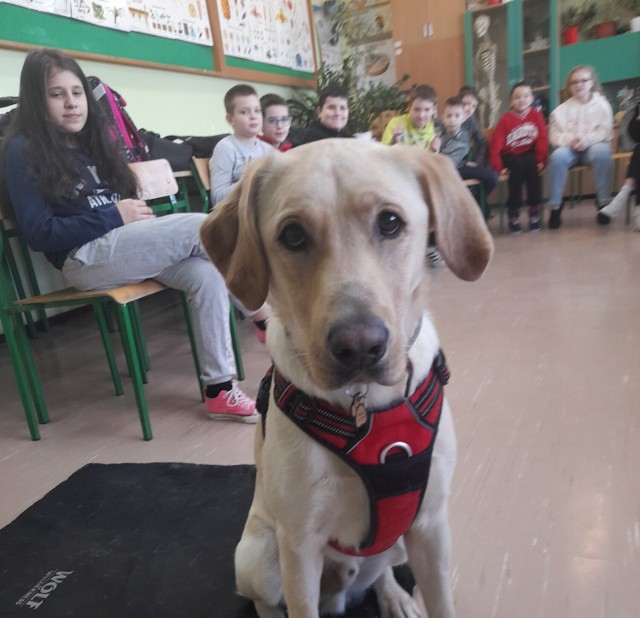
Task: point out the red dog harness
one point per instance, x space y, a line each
391 452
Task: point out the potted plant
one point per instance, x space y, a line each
365 102
574 19
605 20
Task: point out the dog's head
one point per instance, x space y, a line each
335 233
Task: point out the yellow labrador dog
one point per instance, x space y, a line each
334 234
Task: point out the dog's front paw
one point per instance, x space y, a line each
399 605
393 600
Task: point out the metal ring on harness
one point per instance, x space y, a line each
401 445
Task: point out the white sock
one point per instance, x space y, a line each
618 203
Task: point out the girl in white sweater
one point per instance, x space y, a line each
580 131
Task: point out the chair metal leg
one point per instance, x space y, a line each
192 341
125 321
17 282
182 203
575 187
501 205
11 326
33 283
99 309
142 345
33 378
237 353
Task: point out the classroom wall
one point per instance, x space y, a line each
167 102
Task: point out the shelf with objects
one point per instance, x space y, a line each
615 57
493 59
539 51
509 42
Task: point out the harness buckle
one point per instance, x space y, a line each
401 445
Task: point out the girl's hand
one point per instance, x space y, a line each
576 144
540 167
134 210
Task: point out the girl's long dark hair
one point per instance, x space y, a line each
48 149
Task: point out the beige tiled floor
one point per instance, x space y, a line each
545 359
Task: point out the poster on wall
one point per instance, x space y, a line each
378 64
192 20
57 7
270 31
106 13
374 23
187 20
330 51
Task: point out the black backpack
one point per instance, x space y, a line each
7 117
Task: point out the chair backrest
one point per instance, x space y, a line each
155 179
202 167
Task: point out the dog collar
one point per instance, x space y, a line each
391 452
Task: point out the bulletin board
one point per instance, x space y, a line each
22 28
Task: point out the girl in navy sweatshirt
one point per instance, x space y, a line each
74 198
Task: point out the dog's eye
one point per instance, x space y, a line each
389 224
293 237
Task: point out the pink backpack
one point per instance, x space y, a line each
123 130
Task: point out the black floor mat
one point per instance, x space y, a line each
134 540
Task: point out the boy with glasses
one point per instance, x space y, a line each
276 122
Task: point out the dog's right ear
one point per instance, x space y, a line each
230 236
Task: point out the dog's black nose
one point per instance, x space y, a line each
358 344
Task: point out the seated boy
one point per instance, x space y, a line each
417 126
275 122
231 154
333 116
455 142
479 146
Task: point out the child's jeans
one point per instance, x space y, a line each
487 176
597 157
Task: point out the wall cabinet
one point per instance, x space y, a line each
506 43
429 36
521 39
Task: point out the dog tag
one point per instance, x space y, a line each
359 409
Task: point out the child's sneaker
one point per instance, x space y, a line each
514 225
534 224
434 259
534 219
232 405
260 329
555 218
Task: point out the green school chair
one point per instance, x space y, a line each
123 299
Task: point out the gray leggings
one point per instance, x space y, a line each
167 249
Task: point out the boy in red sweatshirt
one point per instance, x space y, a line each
519 147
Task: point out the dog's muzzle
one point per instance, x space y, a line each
358 346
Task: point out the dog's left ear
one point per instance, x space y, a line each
461 233
230 236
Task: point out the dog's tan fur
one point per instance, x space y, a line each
352 265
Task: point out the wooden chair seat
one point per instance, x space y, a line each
125 294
